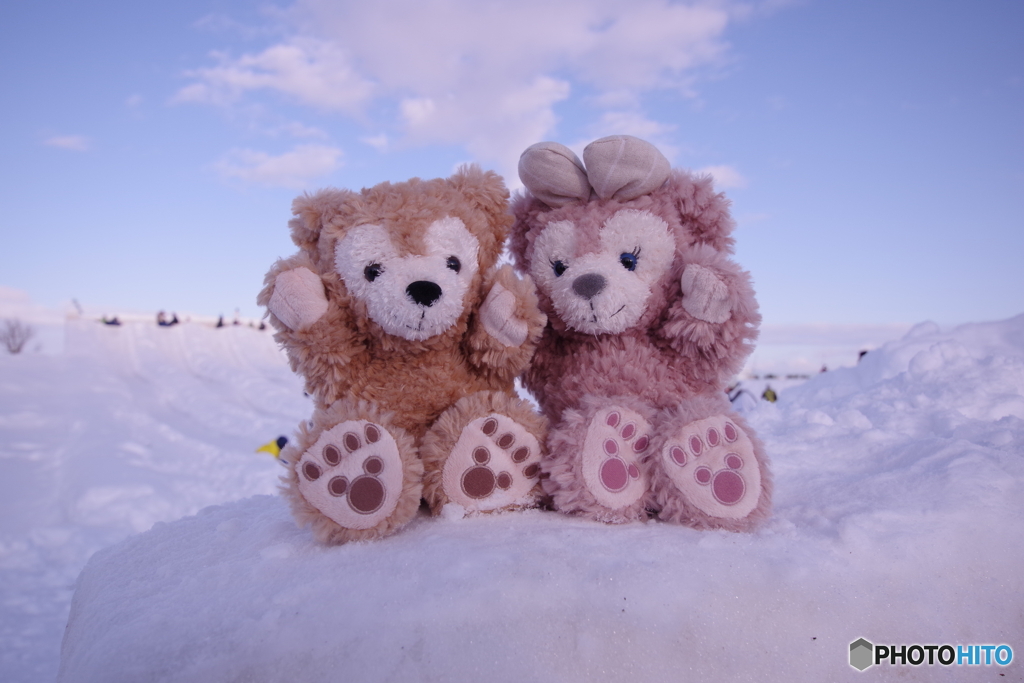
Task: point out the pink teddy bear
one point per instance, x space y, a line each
648 321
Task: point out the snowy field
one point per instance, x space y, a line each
127 427
898 518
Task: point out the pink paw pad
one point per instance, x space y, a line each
708 463
610 470
728 487
616 472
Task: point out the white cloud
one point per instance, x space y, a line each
378 142
609 44
726 177
310 71
653 44
294 169
484 75
514 117
417 111
75 143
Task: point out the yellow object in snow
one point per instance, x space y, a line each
274 447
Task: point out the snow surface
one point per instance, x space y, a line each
898 518
130 426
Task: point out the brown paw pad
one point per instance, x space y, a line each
478 482
349 473
494 464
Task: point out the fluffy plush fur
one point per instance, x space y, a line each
409 340
648 320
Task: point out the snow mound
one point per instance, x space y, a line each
898 518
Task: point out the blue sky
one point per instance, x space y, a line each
874 150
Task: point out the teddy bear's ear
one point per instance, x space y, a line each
315 211
483 189
526 210
704 213
484 192
308 221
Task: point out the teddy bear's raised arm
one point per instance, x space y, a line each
504 332
294 291
716 347
320 342
713 317
314 330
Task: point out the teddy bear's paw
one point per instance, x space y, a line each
712 464
495 464
705 296
352 474
498 316
298 299
616 439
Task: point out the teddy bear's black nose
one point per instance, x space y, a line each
588 286
424 292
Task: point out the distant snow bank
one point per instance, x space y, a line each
51 326
805 349
781 349
899 514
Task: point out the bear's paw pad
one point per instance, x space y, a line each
352 474
495 464
617 438
712 464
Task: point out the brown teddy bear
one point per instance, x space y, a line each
409 339
649 320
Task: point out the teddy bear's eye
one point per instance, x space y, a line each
454 264
371 271
629 259
558 267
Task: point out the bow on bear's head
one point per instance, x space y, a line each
619 167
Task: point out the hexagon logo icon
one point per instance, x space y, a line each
861 654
